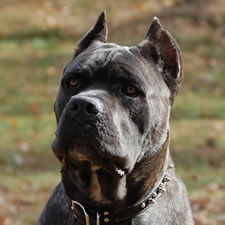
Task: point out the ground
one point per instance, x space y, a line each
36 41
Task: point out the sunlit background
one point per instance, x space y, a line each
37 38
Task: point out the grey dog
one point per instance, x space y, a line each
112 139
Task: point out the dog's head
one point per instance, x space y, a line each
114 102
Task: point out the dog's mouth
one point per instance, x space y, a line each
68 165
74 151
78 152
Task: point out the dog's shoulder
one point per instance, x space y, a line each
178 202
172 207
57 210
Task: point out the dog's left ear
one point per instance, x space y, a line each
165 53
98 32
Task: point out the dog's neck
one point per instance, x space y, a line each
104 191
143 192
153 168
104 216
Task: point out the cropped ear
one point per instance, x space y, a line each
165 53
98 32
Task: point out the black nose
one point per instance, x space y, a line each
83 107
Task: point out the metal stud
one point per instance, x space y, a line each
151 200
161 189
166 179
170 166
106 213
143 205
154 195
106 220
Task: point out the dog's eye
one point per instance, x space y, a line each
72 83
131 91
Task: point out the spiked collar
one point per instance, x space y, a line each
105 217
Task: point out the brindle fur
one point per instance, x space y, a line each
100 127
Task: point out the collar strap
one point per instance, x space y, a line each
106 217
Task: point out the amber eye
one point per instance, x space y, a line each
131 90
73 83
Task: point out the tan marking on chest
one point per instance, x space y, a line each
95 190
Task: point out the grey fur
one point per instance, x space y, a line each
115 116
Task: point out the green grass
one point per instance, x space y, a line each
25 194
27 185
198 151
31 71
32 56
192 105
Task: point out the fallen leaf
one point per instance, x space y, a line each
13 123
35 108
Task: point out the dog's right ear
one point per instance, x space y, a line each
165 53
98 32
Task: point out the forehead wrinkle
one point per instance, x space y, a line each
138 70
107 57
132 71
96 57
124 70
120 51
88 61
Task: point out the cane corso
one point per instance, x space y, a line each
112 110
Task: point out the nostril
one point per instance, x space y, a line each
91 109
74 107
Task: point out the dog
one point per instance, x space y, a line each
112 138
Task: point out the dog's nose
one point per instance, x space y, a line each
83 106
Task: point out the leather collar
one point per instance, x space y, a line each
106 217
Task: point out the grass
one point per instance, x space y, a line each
198 150
30 171
25 196
33 52
27 93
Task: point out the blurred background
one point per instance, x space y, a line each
37 38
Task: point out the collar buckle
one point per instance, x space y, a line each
86 216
